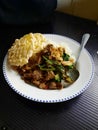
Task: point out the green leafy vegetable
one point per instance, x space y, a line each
66 57
60 68
70 66
46 68
57 78
48 60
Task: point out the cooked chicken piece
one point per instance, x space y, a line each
59 85
42 86
27 75
57 53
35 82
36 75
50 75
66 63
52 85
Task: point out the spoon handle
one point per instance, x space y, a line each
83 43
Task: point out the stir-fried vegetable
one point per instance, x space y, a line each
49 68
57 78
65 57
57 67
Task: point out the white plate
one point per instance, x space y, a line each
86 69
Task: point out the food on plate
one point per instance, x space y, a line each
23 48
41 63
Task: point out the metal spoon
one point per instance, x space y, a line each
74 73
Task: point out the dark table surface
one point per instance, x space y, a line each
80 113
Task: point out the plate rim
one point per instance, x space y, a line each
58 100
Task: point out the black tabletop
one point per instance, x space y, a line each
79 113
